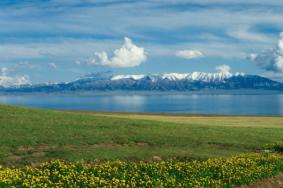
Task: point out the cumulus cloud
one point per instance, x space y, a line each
189 54
12 81
4 71
270 60
223 68
53 66
129 55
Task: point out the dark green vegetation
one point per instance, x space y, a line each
275 147
29 136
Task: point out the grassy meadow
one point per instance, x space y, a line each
32 136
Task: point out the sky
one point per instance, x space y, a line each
62 40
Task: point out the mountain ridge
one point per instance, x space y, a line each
156 82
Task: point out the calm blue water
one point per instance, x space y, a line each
166 103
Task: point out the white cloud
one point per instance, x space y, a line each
67 49
129 55
125 22
243 32
252 56
277 76
9 81
189 54
53 66
4 71
223 68
270 60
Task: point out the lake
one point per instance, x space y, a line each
234 104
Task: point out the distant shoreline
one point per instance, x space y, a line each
167 114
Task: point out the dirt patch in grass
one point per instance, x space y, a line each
45 147
25 148
38 154
27 153
116 145
219 145
36 148
275 182
143 144
107 145
156 158
13 157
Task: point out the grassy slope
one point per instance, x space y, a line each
244 121
30 136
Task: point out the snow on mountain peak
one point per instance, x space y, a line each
194 76
174 76
134 77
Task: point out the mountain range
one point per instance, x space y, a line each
156 82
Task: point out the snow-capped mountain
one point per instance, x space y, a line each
195 76
158 82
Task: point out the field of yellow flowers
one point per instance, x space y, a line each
238 170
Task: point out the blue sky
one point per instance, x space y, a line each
61 40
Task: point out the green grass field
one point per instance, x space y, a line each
31 136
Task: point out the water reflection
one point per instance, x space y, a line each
168 103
